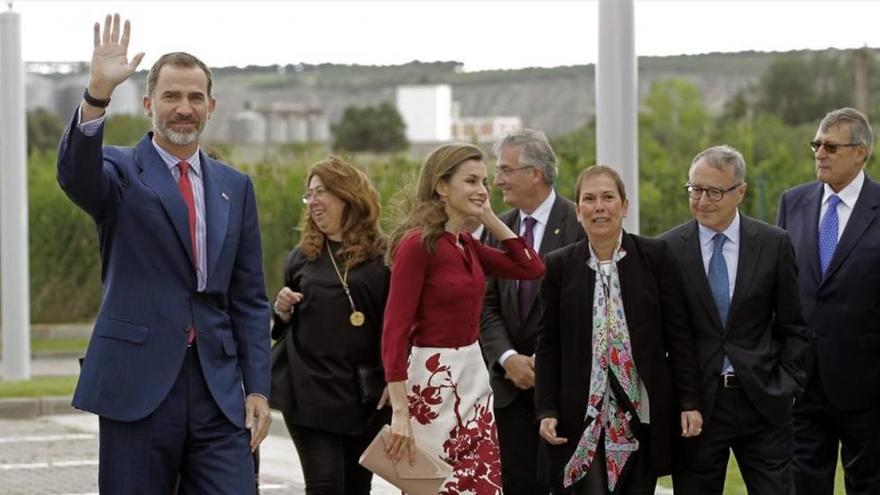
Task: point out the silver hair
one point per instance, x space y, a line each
859 128
535 151
722 157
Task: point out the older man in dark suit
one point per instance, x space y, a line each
740 283
525 173
834 226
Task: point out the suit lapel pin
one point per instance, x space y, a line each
556 232
225 196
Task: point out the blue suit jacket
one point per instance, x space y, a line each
842 308
150 297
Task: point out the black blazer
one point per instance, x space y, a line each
765 337
661 340
500 325
842 309
316 356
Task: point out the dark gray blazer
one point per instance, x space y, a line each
765 336
500 325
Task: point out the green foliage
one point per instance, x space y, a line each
801 88
125 130
44 129
65 267
370 129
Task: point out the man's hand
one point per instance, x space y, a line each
547 430
691 423
257 418
110 64
520 370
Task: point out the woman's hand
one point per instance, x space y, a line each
285 301
401 443
548 431
384 399
691 423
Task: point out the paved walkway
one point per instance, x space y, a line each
54 455
58 454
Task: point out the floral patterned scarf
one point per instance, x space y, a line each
612 353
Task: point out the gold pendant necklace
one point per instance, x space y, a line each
356 317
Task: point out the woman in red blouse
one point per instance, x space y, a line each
441 399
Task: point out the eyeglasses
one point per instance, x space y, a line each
313 194
712 193
830 148
505 171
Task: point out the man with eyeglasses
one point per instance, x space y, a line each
525 172
740 284
835 226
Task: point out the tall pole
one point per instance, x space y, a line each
15 287
617 140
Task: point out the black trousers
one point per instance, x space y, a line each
637 477
518 438
330 460
820 429
763 450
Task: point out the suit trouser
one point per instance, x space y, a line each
820 429
518 439
187 435
763 450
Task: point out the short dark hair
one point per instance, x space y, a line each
177 59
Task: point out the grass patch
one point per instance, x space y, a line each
38 387
734 484
72 347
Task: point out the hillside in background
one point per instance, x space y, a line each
557 100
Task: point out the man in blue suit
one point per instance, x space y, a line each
178 364
834 226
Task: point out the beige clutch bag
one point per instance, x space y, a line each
426 477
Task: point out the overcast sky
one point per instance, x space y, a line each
495 34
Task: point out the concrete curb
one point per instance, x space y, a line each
29 407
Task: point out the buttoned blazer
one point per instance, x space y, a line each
764 337
150 288
660 336
841 308
500 326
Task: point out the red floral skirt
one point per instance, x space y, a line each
450 404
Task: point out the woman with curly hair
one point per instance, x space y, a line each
327 376
441 400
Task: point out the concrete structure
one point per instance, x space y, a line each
484 129
427 112
617 140
279 123
14 267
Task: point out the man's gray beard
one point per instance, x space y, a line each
177 138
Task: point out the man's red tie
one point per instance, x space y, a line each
186 191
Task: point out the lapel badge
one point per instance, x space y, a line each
225 196
556 232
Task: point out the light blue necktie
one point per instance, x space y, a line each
828 233
719 283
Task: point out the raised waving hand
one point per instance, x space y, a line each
110 64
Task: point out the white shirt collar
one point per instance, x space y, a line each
171 161
849 194
542 212
731 232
